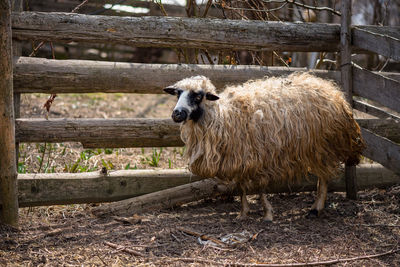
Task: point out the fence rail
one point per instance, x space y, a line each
100 132
39 75
67 188
374 111
381 40
176 32
366 84
113 133
382 150
218 34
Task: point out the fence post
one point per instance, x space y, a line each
17 52
8 169
347 82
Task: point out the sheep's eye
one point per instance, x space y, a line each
198 98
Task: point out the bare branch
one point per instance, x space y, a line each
209 3
314 7
293 2
259 10
79 6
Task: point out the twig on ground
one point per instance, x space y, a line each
383 225
254 237
54 232
135 219
316 263
176 238
98 256
221 249
198 260
204 237
124 249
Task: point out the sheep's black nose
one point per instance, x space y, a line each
179 115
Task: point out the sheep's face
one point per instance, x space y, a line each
191 94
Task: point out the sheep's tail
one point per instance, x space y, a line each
354 159
357 146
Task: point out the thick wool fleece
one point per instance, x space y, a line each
275 129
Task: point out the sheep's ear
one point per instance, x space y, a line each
211 97
171 90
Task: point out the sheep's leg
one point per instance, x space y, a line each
321 197
245 206
268 211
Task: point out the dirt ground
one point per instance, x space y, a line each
70 235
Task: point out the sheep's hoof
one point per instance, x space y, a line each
266 220
312 214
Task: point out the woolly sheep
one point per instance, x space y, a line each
267 130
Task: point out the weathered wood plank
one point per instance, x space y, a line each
381 40
113 133
374 111
69 188
163 199
94 187
176 32
382 150
379 88
96 132
370 176
347 84
8 169
388 128
38 75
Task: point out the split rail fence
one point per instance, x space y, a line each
33 75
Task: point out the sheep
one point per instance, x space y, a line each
277 129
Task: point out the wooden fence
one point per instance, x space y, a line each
30 75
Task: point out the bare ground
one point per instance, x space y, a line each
71 235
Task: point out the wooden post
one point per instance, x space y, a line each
8 170
17 52
347 82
